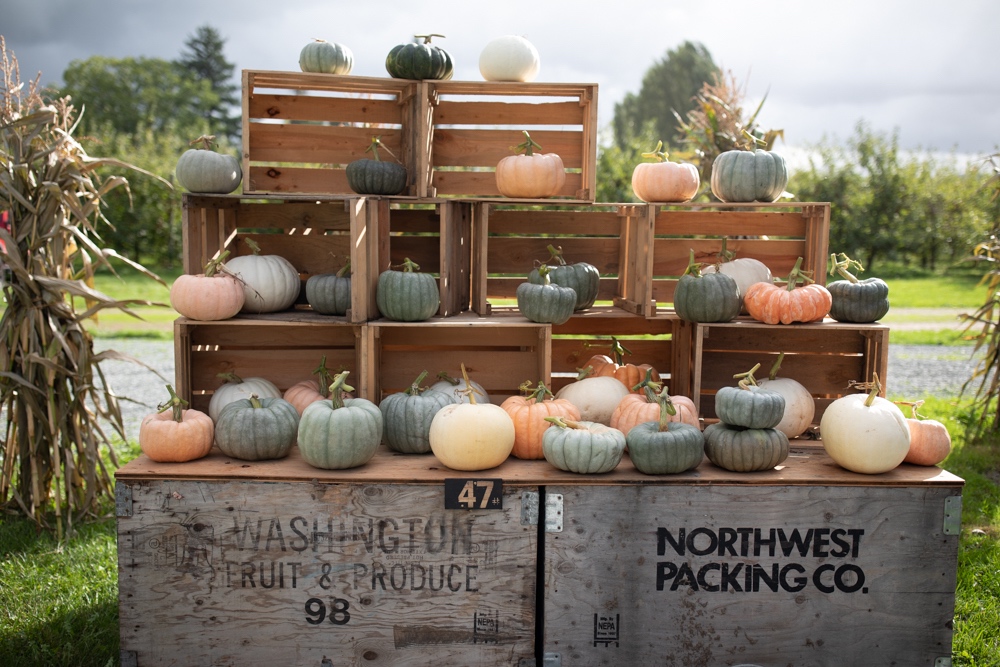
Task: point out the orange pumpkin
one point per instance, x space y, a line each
529 413
531 175
930 442
664 181
176 435
630 375
303 394
637 409
795 302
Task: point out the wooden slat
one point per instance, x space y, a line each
362 108
485 148
671 255
484 184
323 144
510 254
289 80
722 223
506 288
520 114
295 180
591 221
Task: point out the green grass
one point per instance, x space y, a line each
959 291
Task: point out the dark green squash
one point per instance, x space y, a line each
330 293
744 449
256 429
665 447
374 176
748 176
407 417
854 300
584 278
708 297
407 295
546 303
748 405
419 60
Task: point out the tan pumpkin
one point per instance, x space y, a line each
531 175
794 302
529 413
930 442
471 436
664 181
175 435
210 296
644 407
628 374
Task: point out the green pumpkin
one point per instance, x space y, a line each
744 449
375 176
853 300
582 447
706 297
749 406
337 433
748 176
407 295
584 278
256 429
546 303
677 448
419 60
407 417
326 58
330 293
203 170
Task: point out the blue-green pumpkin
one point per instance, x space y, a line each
330 293
582 277
257 429
706 297
407 295
407 417
338 433
749 176
744 449
546 303
419 60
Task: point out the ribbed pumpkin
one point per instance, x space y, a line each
644 406
407 295
794 302
628 374
257 429
270 282
407 417
749 406
203 170
375 176
530 175
748 176
337 434
175 435
545 302
582 447
528 414
744 449
853 300
664 446
419 60
664 181
326 58
472 436
509 58
582 277
708 297
800 406
208 296
330 293
235 388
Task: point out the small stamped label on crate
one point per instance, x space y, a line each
470 494
607 629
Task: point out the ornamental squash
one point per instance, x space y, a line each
745 271
930 442
740 449
337 433
458 388
208 296
472 436
270 282
257 429
663 181
582 447
644 406
582 277
407 295
865 433
235 388
175 435
628 374
326 57
664 446
595 397
374 176
330 293
509 58
853 300
709 297
800 406
748 405
531 175
528 414
203 170
772 304
545 302
407 417
748 176
419 60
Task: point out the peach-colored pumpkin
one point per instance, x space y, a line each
176 435
628 374
303 394
208 296
532 175
637 409
529 413
664 181
774 304
930 442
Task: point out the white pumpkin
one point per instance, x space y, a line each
745 271
236 388
270 282
471 436
865 433
595 397
457 388
800 406
509 58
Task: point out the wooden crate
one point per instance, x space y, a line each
474 124
823 356
284 348
301 130
499 353
776 234
225 562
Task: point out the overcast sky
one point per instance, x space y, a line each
928 70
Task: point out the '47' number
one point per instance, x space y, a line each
316 611
467 496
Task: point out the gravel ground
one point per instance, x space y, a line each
915 372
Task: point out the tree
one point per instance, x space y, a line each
205 61
668 86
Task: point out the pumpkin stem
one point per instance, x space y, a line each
619 350
876 389
556 254
415 388
253 246
344 270
667 408
843 266
657 153
538 392
469 390
648 386
337 389
174 403
377 144
562 422
725 255
206 141
443 375
325 379
693 267
255 401
528 146
215 264
777 364
230 377
584 373
409 266
798 275
747 380
427 38
543 273
914 406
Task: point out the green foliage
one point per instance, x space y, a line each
205 61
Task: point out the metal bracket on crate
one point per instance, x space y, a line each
553 510
953 515
123 500
548 660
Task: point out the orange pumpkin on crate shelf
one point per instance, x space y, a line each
800 300
529 412
628 374
530 175
644 406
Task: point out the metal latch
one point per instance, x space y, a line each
952 517
548 660
553 510
123 500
